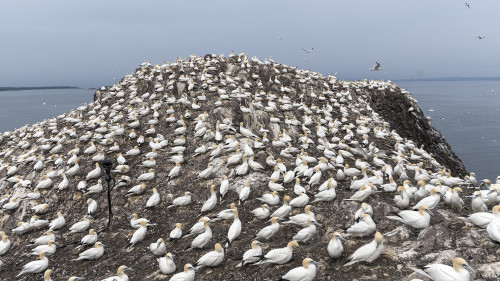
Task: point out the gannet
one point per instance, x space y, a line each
135 221
89 239
121 276
244 192
417 219
187 275
235 228
262 212
176 233
211 201
202 239
362 194
440 272
246 132
213 258
80 226
45 183
252 255
270 198
150 175
299 201
139 234
281 255
402 199
224 186
364 227
455 201
46 275
365 209
35 266
92 253
166 264
158 248
477 203
94 173
49 249
4 243
325 195
154 199
58 222
335 247
284 210
306 272
493 227
268 231
12 204
302 219
92 206
181 200
175 171
42 240
96 188
430 201
307 233
368 252
297 188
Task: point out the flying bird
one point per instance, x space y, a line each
480 37
467 5
308 51
376 67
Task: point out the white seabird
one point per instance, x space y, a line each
335 247
121 276
166 264
368 252
417 219
93 253
306 272
187 275
441 272
213 258
35 266
252 255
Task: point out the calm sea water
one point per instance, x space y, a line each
468 115
466 112
18 108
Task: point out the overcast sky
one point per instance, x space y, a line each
88 43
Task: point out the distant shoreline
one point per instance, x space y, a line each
449 79
36 88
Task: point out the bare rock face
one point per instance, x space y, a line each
404 115
249 110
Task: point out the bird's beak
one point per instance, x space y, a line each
316 223
490 192
469 268
128 268
191 268
429 211
315 263
340 237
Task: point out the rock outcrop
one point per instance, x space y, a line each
302 118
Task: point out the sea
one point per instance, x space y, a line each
466 112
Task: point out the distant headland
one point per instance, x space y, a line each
450 79
35 88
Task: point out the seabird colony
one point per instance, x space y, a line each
255 168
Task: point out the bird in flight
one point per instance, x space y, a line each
480 37
308 51
376 67
279 37
467 5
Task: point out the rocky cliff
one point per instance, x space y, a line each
205 111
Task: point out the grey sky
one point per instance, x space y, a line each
88 43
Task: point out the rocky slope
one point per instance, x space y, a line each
292 112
